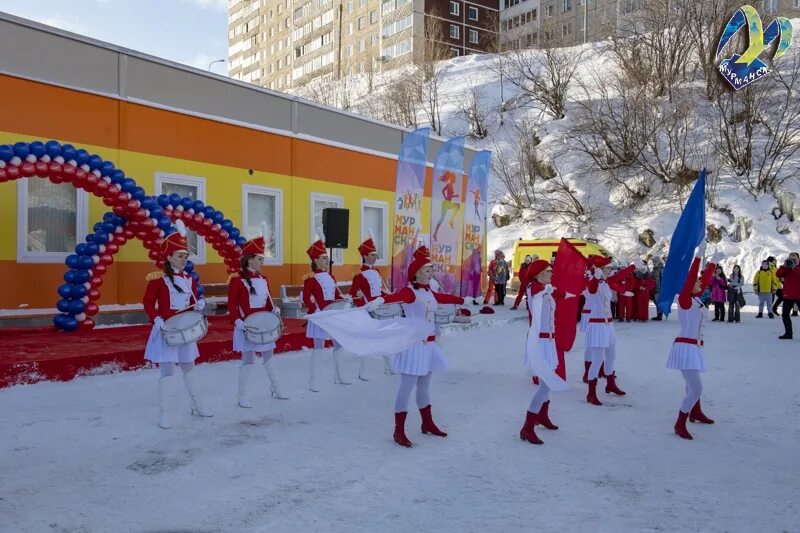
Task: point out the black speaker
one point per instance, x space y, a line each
335 226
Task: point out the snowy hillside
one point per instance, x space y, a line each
583 200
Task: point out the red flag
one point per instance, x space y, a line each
568 276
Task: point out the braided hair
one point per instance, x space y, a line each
171 275
245 275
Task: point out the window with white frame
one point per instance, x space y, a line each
186 187
454 52
472 35
264 204
455 8
52 217
473 13
548 11
319 202
455 32
566 5
375 219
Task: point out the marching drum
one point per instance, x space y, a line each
386 311
444 313
183 328
337 305
262 328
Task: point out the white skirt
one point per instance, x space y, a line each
157 351
419 360
684 356
547 351
313 331
241 344
600 335
584 322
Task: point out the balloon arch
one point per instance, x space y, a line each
133 214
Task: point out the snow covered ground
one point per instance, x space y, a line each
87 455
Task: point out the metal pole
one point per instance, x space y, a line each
585 10
215 61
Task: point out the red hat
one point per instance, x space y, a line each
537 267
422 251
597 261
317 249
253 247
418 262
367 247
176 241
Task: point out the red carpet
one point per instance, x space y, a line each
37 354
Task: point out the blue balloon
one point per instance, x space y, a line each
195 275
97 226
116 176
72 261
108 215
209 211
186 203
82 157
92 248
107 168
63 305
189 267
175 199
77 291
64 290
75 307
90 237
200 291
198 206
234 233
164 223
149 202
82 276
156 212
6 153
240 241
37 148
100 237
108 227
95 162
69 324
227 225
139 194
80 249
128 185
70 276
58 320
21 150
163 200
68 152
118 220
85 262
53 148
218 217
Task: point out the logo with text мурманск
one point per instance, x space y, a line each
742 70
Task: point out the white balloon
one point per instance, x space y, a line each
30 158
80 317
58 159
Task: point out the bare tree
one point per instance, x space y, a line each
472 107
427 77
546 76
517 166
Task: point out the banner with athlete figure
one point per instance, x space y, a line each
446 203
475 225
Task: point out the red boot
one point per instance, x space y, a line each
400 430
602 373
427 423
592 396
586 365
535 380
544 418
527 433
697 415
611 385
680 426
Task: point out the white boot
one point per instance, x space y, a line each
163 387
191 386
387 365
312 372
274 386
244 376
362 369
337 371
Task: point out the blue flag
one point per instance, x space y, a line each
689 233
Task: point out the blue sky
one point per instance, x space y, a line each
194 32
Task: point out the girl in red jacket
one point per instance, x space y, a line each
168 293
643 286
368 285
248 293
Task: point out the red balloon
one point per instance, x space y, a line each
3 175
56 178
91 181
198 218
141 235
108 200
128 234
69 172
105 260
158 243
94 295
12 172
112 247
208 222
27 170
95 282
91 309
119 239
86 325
160 263
101 188
230 243
133 205
153 254
41 168
99 269
80 177
223 235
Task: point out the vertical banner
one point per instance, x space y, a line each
475 224
409 191
446 203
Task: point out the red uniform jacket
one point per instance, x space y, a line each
156 299
791 282
685 297
311 287
239 298
361 283
615 282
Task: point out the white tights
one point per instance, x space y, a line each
694 388
407 382
168 369
248 358
601 356
541 396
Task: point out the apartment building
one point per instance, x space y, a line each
532 23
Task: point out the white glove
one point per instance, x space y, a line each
568 295
717 257
374 304
239 324
200 305
548 289
598 273
276 311
158 322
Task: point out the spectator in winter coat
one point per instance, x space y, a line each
735 284
498 274
789 274
627 288
777 297
522 276
719 286
764 287
658 271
